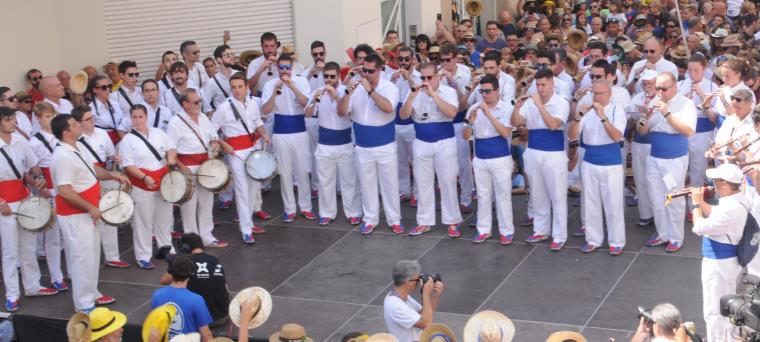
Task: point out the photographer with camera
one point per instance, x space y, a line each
658 325
404 316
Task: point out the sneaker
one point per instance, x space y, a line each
616 250
323 221
506 239
217 223
556 246
44 291
419 230
473 223
117 264
588 248
248 239
454 231
413 202
287 218
87 311
366 229
673 247
262 215
398 228
480 238
314 194
224 205
176 235
308 215
527 222
104 300
61 286
536 238
145 264
217 244
266 187
645 222
465 209
258 229
580 231
632 202
403 197
654 241
354 220
11 305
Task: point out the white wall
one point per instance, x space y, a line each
423 14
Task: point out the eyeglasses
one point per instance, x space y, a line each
10 99
663 88
485 91
285 66
542 65
529 29
596 77
404 59
133 74
330 76
105 87
426 78
651 52
87 119
318 54
415 280
446 60
736 99
26 101
35 79
368 71
196 52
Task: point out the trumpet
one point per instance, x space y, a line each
527 80
681 193
582 73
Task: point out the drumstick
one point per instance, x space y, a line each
202 175
117 204
22 215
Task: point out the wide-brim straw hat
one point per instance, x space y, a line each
248 55
381 337
437 332
491 324
160 318
78 328
291 331
561 336
259 298
78 83
104 321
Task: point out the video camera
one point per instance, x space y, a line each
743 310
424 277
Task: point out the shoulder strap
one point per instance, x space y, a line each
220 87
147 143
157 118
10 162
89 148
176 95
194 131
126 97
39 136
238 117
85 164
166 83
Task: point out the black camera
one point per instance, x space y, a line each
424 277
744 309
646 314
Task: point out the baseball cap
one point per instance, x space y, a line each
648 75
727 172
719 33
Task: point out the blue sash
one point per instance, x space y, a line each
712 249
374 136
668 146
460 117
704 124
719 121
399 120
494 147
334 137
434 131
287 124
603 155
546 140
641 139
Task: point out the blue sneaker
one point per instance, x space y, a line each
287 218
248 239
224 205
632 202
11 305
87 310
645 222
145 264
323 221
366 228
588 248
61 286
580 231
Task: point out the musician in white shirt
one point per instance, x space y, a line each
263 68
128 94
53 91
158 115
107 115
171 97
217 89
163 75
404 78
191 54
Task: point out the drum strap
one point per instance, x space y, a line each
85 164
126 97
110 110
147 143
194 131
89 148
158 116
220 86
10 162
166 83
176 95
38 135
238 117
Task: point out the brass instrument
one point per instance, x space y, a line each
571 63
79 82
576 39
474 7
581 74
681 193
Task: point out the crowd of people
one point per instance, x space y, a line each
622 103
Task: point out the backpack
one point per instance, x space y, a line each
748 245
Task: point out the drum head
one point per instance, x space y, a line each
213 174
261 165
37 214
116 207
174 186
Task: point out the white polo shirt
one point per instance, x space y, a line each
62 107
557 107
182 138
120 97
254 66
106 115
20 152
99 141
506 90
197 74
134 152
161 112
680 107
593 130
365 111
482 128
224 119
327 111
68 169
286 103
217 89
401 316
424 108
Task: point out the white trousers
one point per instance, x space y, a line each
464 160
405 142
18 250
718 279
699 143
491 181
668 219
548 192
246 192
229 193
312 127
378 167
337 163
639 156
431 160
603 192
49 243
109 235
153 217
81 239
196 213
293 160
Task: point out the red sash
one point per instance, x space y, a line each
155 174
193 159
13 190
103 165
114 135
242 142
64 208
48 177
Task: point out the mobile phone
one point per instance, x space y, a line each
417 57
438 17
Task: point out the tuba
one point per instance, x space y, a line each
474 7
576 39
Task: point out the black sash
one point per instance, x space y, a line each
39 136
194 132
10 162
176 96
147 143
166 83
110 110
220 87
158 115
89 148
126 97
238 117
83 161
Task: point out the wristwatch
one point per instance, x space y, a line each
467 122
604 120
666 115
370 91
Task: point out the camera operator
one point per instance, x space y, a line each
722 227
208 280
404 316
661 324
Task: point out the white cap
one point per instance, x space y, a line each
648 75
727 172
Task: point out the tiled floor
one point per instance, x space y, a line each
332 279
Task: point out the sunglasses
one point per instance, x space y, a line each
35 79
663 88
133 74
196 52
10 99
596 77
106 87
405 59
285 66
330 76
485 91
651 52
542 65
446 60
368 71
670 26
736 99
426 78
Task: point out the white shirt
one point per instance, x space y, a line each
733 127
20 153
327 111
560 87
265 76
214 94
106 116
164 83
557 107
134 96
733 7
134 152
461 78
182 138
44 156
401 316
661 66
707 87
727 92
726 221
316 81
287 102
172 102
424 108
164 115
620 98
62 107
482 128
365 111
637 102
100 143
23 124
681 108
224 120
68 169
593 130
197 74
506 90
403 84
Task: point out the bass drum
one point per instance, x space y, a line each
116 208
214 175
176 187
261 166
35 214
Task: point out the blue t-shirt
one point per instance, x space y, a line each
518 181
192 313
497 45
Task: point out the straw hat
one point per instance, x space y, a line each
489 325
221 339
642 37
291 50
627 46
248 55
733 40
160 318
78 83
380 337
191 337
719 33
291 331
554 36
679 52
104 321
437 333
561 336
78 328
261 301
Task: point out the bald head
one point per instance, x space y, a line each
51 87
504 17
653 44
64 77
666 86
91 71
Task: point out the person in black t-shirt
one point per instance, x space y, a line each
208 280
